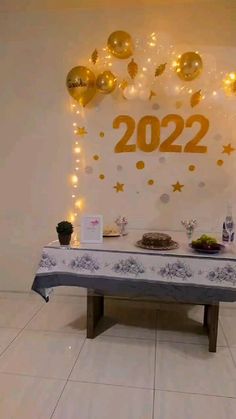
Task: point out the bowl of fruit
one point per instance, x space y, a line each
207 244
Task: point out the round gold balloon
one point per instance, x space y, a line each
189 66
81 84
230 84
120 44
106 82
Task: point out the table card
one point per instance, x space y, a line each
91 229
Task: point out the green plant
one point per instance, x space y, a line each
64 227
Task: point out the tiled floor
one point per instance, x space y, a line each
153 364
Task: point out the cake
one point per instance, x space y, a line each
156 240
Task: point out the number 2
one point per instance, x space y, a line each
122 146
167 145
192 146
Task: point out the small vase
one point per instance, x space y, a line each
64 239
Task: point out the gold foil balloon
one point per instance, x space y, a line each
230 84
81 84
189 66
120 44
106 82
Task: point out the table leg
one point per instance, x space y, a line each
211 318
205 320
95 311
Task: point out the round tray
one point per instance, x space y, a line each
173 245
208 251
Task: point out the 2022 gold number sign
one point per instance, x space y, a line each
155 126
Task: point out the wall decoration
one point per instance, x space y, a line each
81 84
188 66
120 44
119 187
106 82
228 149
165 117
177 187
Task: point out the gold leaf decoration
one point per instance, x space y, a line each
123 84
94 56
132 69
152 93
160 69
196 98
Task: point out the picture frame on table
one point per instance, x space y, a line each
91 229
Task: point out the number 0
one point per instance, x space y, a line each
154 124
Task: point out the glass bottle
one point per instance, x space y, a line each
228 226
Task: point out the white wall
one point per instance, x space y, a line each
37 49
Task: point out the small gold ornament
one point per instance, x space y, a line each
94 56
196 98
132 69
160 69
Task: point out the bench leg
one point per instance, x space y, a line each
95 311
211 318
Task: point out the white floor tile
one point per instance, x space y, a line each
61 317
130 319
184 324
170 405
120 361
42 354
6 337
97 401
229 327
192 369
16 312
28 397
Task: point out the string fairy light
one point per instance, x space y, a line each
74 177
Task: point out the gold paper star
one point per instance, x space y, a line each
81 132
119 187
177 187
228 149
152 93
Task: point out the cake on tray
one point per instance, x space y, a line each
158 241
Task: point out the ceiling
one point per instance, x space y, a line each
30 5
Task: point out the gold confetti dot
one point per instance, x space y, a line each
220 162
101 177
191 168
96 157
102 134
140 165
150 182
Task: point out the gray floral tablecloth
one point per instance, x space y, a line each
137 272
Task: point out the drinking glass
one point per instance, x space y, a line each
189 226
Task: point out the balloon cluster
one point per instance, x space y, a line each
179 75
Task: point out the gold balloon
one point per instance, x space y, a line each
81 84
120 44
106 82
230 84
189 66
